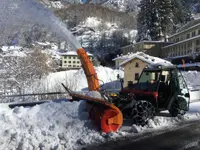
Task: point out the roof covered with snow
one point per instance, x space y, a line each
11 48
15 54
43 43
122 57
150 60
71 53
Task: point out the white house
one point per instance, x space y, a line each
70 60
136 62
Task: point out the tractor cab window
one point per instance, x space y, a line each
149 81
180 90
183 92
149 76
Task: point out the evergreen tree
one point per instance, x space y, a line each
164 10
181 13
157 18
143 20
154 21
148 21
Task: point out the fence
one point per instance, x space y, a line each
33 97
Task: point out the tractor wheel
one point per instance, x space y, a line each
142 111
175 108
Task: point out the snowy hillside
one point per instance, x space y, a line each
120 5
103 38
63 126
192 79
76 80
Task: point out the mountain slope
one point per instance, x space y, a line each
120 5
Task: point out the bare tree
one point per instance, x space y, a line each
21 72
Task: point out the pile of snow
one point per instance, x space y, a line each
15 54
65 125
150 60
11 48
192 79
76 80
46 126
57 4
93 22
62 126
72 53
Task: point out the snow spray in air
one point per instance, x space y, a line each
23 12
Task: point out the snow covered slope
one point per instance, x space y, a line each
120 5
193 79
76 80
61 126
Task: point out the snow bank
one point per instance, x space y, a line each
192 79
62 126
46 126
77 81
65 125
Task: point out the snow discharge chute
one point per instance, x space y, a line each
26 13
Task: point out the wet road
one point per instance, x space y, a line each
186 137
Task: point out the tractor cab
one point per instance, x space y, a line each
164 88
165 83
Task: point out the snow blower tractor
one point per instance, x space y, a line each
158 89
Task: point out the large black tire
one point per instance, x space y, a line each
178 107
142 111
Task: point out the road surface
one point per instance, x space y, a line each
186 137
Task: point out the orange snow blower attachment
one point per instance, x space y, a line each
105 115
90 73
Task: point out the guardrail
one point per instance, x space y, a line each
33 97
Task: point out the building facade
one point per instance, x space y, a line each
149 47
119 59
136 62
70 60
128 49
185 42
132 70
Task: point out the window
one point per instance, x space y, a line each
177 39
197 42
198 32
69 65
193 34
189 44
188 36
78 62
74 57
74 62
69 57
136 76
65 57
69 62
65 61
136 65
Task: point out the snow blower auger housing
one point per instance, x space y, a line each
105 115
157 89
